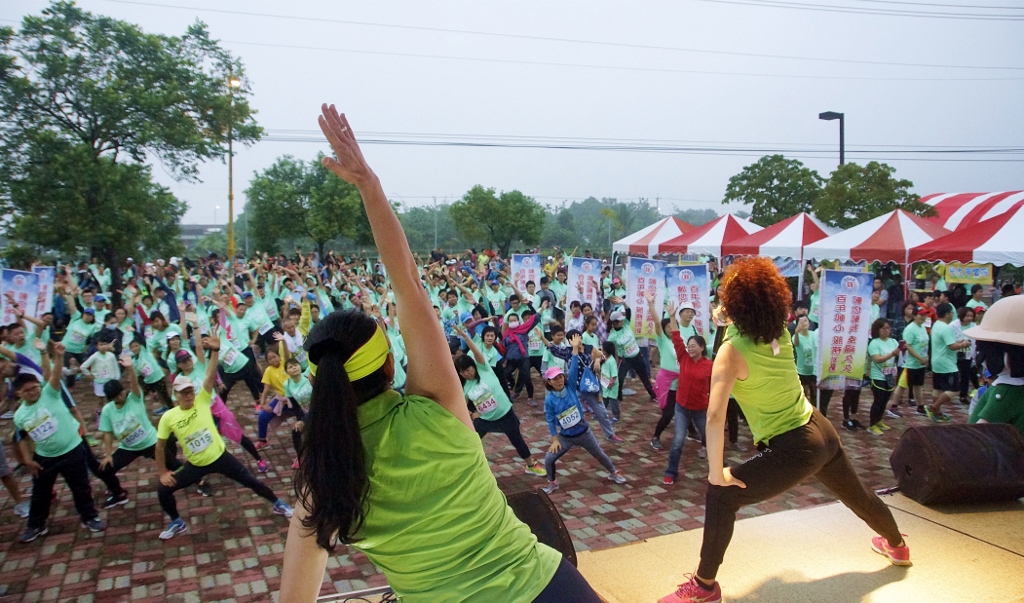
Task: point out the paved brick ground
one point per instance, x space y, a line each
234 547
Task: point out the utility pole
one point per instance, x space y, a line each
435 223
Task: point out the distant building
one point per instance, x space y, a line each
190 233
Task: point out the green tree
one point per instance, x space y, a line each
775 188
697 217
419 224
857 193
85 102
498 220
560 230
293 199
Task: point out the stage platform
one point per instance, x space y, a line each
822 554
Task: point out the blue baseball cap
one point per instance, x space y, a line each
246 295
311 296
465 316
89 311
495 282
100 298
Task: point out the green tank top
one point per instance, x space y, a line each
436 523
771 396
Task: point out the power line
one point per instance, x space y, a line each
832 8
618 68
966 6
553 39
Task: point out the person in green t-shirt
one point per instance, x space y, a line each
755 365
489 406
805 342
44 418
620 332
192 424
915 344
883 351
124 419
945 372
412 473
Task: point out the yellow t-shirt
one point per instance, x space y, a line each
196 432
275 377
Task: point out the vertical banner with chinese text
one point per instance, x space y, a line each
46 278
690 284
645 276
844 329
23 287
584 284
526 267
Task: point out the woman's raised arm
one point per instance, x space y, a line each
431 373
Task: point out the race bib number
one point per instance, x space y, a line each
483 400
606 382
145 370
631 350
535 346
44 429
231 356
569 417
889 371
301 356
199 441
133 434
266 327
77 337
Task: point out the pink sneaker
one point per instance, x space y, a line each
262 445
668 481
262 466
295 464
692 592
898 555
616 439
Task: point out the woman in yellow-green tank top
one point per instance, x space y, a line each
755 365
404 479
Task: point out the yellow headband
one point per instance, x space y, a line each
370 357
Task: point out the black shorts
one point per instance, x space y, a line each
915 376
946 382
809 380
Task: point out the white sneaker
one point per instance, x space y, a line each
617 477
551 487
21 509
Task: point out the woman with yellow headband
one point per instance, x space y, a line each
404 479
755 364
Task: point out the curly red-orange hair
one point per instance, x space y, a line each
756 298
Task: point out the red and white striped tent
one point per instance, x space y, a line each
960 210
887 238
785 239
996 241
709 238
648 240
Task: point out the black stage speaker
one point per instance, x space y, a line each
949 464
535 509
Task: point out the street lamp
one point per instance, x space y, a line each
829 116
233 84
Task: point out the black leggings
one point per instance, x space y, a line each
123 457
666 414
881 399
73 468
790 458
567 586
968 376
250 375
227 465
160 389
851 402
522 365
643 372
508 424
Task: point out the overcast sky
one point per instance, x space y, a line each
719 78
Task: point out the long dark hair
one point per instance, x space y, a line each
332 476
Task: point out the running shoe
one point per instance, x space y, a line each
628 392
850 425
281 508
617 477
693 592
883 426
113 501
893 413
937 417
616 439
160 411
262 466
94 525
535 469
205 490
31 534
531 402
656 443
898 555
668 481
262 445
295 464
21 509
615 420
922 411
178 526
551 487
7 415
875 430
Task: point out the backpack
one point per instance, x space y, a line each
589 384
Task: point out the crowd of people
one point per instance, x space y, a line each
352 350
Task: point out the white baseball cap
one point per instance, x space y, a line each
181 383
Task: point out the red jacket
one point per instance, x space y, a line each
694 377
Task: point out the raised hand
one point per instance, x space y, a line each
348 164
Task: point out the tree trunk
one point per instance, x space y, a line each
114 263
